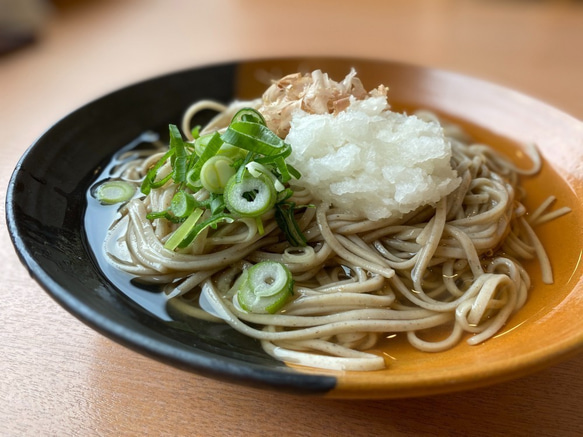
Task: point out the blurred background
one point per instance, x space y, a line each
535 46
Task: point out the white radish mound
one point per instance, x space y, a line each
370 161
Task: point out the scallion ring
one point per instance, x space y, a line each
284 216
250 197
112 192
201 142
181 236
267 287
182 204
249 115
256 169
216 172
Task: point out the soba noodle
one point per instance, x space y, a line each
455 264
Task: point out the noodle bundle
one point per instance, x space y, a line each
453 265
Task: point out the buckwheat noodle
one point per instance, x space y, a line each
455 265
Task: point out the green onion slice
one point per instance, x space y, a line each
251 197
216 203
260 227
282 196
250 115
197 229
112 192
201 142
163 215
182 204
284 216
211 149
243 169
233 152
293 171
182 234
254 137
256 169
216 172
180 158
195 132
150 181
267 287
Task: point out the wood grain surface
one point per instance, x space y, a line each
59 378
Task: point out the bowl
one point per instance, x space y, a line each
46 204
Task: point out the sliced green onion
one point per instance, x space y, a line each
182 204
163 215
293 171
211 149
112 192
278 161
183 232
249 114
251 197
201 142
259 224
282 196
266 288
284 216
256 169
180 158
150 181
254 137
196 230
226 149
241 169
283 169
195 132
216 172
233 152
216 203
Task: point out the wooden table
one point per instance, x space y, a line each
58 377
